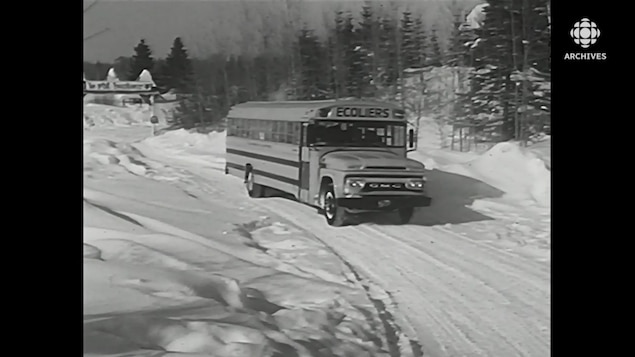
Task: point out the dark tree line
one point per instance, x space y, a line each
369 56
510 54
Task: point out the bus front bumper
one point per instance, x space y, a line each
380 203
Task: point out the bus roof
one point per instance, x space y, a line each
296 110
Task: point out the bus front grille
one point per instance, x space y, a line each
384 186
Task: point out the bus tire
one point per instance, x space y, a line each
335 215
254 190
405 214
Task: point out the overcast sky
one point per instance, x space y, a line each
198 22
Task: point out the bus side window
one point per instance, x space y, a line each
246 128
276 131
295 135
241 128
289 133
286 132
282 131
253 130
267 129
258 128
238 127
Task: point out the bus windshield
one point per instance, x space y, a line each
357 133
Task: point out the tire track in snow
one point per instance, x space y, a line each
391 329
461 303
393 325
519 320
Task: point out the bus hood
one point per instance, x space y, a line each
368 160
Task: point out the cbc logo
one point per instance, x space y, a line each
585 33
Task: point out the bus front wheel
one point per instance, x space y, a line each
334 214
254 190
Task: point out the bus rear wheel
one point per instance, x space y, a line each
254 190
334 214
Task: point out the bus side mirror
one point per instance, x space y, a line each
411 138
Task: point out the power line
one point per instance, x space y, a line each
99 32
90 6
96 34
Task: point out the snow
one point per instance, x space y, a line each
101 115
196 148
505 190
170 266
179 261
156 286
517 172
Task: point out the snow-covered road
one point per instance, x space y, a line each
463 298
449 291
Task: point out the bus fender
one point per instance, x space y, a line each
325 181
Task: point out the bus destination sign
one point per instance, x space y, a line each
362 112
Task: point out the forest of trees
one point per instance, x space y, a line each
368 55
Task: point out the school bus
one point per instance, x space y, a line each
341 156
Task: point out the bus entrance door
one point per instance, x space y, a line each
309 160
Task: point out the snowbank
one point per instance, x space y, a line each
205 150
182 140
542 150
150 286
512 169
169 271
102 155
100 115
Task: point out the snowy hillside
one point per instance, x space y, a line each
179 261
102 115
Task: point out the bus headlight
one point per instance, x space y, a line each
415 184
353 185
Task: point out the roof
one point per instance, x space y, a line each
295 110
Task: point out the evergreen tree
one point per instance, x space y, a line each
367 35
331 53
409 48
341 41
179 76
122 67
159 74
350 55
514 45
179 72
96 71
313 82
421 40
435 54
142 59
389 66
457 51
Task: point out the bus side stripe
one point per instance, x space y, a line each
265 174
276 160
